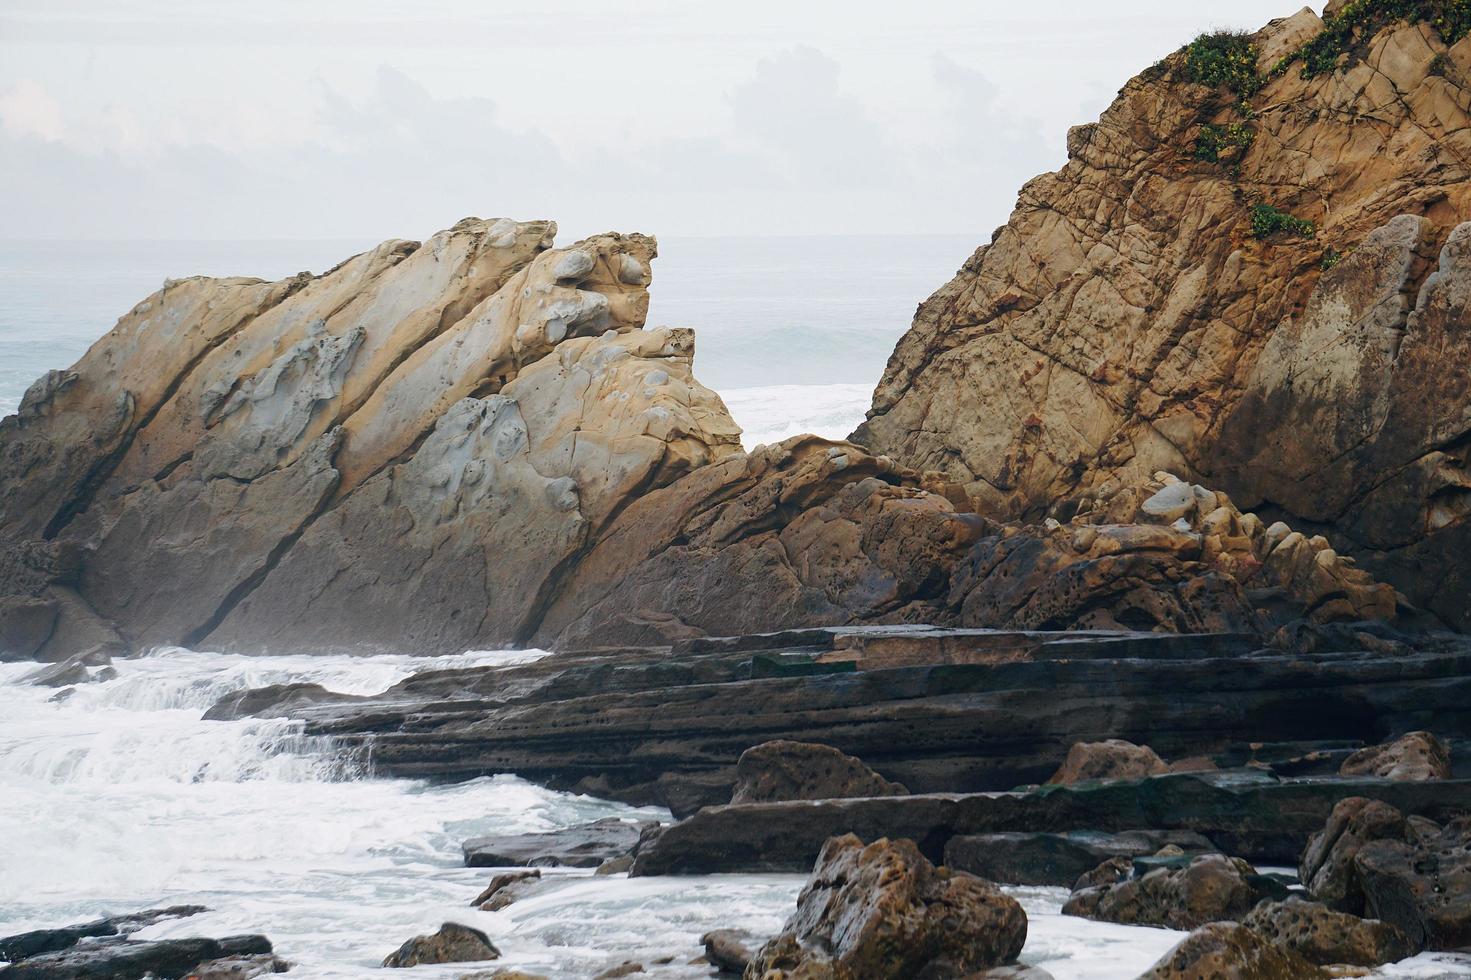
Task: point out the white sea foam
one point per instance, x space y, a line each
776 412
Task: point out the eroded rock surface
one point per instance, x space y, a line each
784 770
1323 936
1229 951
1131 317
1416 755
451 943
884 911
1209 888
1110 759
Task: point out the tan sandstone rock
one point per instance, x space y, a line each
1127 319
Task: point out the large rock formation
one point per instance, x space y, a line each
1253 278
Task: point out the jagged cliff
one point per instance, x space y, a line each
1257 284
1251 272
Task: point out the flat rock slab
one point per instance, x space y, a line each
586 846
1058 859
1254 817
122 959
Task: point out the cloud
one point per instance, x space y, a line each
27 109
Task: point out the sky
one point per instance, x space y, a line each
338 119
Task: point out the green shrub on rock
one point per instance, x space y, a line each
1267 220
1223 58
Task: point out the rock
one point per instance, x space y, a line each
1417 755
586 846
505 889
1202 349
1323 936
625 969
1210 888
884 911
1110 759
730 950
502 974
272 701
453 943
26 623
1229 951
123 959
27 944
73 670
783 770
239 967
1016 971
1328 867
1421 883
1056 859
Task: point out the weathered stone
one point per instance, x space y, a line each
27 944
1057 859
452 943
586 846
730 950
884 911
783 770
625 969
1328 868
123 959
1417 755
1111 759
1099 337
1210 888
239 967
1229 951
1323 936
1421 883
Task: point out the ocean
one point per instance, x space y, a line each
793 332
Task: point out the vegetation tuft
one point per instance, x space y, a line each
1360 20
1331 257
1214 139
1224 58
1267 221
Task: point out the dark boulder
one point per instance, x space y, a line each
27 944
453 943
1058 859
239 967
1323 936
1229 951
123 959
73 670
1210 888
884 912
1327 868
787 770
1421 883
586 846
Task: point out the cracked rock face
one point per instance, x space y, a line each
1127 319
406 452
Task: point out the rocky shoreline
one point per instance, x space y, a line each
1151 564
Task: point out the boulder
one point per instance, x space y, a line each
884 911
1416 755
1328 868
1421 883
74 670
452 943
1229 951
505 889
1209 888
1110 759
784 770
585 846
625 969
1057 859
730 950
1323 936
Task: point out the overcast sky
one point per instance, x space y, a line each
370 119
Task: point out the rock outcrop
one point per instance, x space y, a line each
883 911
1255 277
1228 951
451 943
1416 755
1323 936
1110 759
